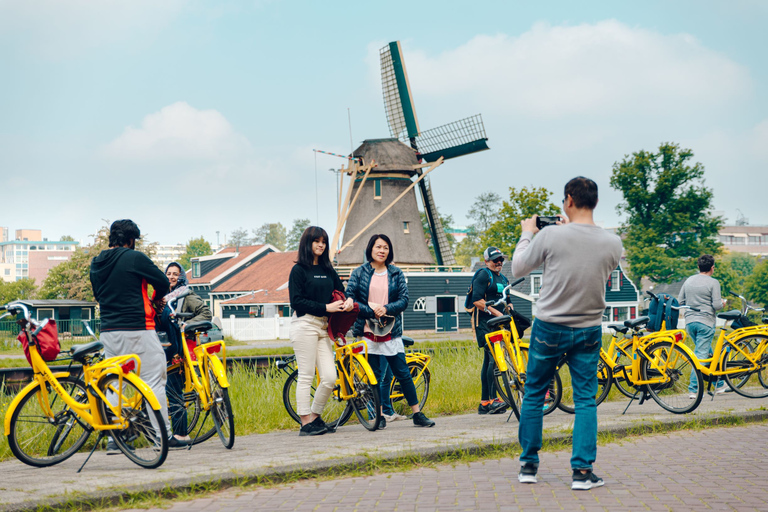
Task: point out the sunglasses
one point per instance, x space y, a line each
498 260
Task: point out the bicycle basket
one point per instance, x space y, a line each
47 341
742 321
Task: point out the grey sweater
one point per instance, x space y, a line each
701 292
577 260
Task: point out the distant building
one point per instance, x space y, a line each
3 234
749 239
167 254
32 256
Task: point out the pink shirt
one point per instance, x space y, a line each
378 291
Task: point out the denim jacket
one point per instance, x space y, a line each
357 289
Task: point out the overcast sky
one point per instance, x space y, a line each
194 117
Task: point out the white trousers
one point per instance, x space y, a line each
313 348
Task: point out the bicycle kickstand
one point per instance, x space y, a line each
633 398
96 445
510 415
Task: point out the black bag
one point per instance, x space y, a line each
469 307
522 322
660 310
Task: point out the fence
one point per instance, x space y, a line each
251 329
68 329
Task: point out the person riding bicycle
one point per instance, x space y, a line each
577 257
487 286
310 286
192 303
119 277
380 289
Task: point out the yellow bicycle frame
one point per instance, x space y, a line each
206 359
345 379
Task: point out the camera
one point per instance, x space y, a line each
544 221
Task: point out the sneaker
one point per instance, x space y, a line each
175 442
394 417
692 396
585 481
112 448
382 423
527 473
720 390
419 420
331 429
484 408
498 406
313 428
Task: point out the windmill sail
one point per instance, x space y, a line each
398 103
453 139
443 253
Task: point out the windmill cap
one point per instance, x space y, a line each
491 253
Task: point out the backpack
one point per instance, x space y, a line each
469 307
660 310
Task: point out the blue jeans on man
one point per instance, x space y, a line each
702 335
581 346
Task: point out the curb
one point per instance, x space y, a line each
227 479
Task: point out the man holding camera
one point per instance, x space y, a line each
577 257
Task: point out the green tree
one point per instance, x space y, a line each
66 238
470 247
727 276
17 290
273 233
505 230
195 247
294 235
668 210
239 238
757 284
484 211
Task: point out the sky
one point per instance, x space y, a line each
195 117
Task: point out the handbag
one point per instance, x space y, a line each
47 341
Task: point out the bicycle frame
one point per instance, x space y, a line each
345 379
712 366
205 359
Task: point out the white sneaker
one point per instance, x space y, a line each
692 396
720 390
394 417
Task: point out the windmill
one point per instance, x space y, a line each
386 171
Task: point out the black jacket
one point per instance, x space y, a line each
357 289
119 278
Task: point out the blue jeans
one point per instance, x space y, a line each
384 387
702 335
398 366
549 342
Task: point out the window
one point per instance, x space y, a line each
632 313
615 281
85 314
405 227
377 189
620 314
44 313
535 285
420 304
195 269
754 240
607 315
256 311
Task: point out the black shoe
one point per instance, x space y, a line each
175 442
585 481
498 407
419 420
527 473
484 409
112 448
331 429
314 428
382 423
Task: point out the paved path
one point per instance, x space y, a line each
23 487
713 469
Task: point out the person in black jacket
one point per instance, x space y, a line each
120 277
380 289
311 285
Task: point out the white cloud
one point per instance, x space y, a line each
601 69
180 132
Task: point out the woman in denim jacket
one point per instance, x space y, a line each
380 289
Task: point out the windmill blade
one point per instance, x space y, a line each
443 253
453 139
398 103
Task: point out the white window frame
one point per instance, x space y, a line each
420 304
534 280
615 281
44 309
85 312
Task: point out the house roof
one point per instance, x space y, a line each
59 303
264 281
236 260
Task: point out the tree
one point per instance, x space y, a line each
484 211
505 230
726 275
195 247
66 238
17 290
757 284
294 235
239 238
668 213
273 233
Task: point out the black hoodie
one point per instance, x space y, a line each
119 278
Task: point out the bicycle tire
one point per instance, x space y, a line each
621 381
145 441
221 410
187 402
399 403
366 401
336 412
752 383
604 382
36 441
673 395
509 385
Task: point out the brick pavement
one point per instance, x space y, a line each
713 469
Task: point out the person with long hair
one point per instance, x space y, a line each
311 286
382 294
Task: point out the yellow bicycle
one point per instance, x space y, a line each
53 416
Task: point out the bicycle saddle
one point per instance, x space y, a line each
503 319
637 322
80 351
194 327
408 342
730 315
619 328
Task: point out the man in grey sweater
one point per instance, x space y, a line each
702 291
577 257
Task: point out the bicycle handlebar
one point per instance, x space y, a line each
14 308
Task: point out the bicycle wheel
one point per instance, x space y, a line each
509 384
37 440
221 410
554 393
604 381
752 382
145 440
184 408
420 381
335 413
678 367
366 403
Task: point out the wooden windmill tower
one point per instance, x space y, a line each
384 173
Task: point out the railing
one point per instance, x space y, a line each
68 329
